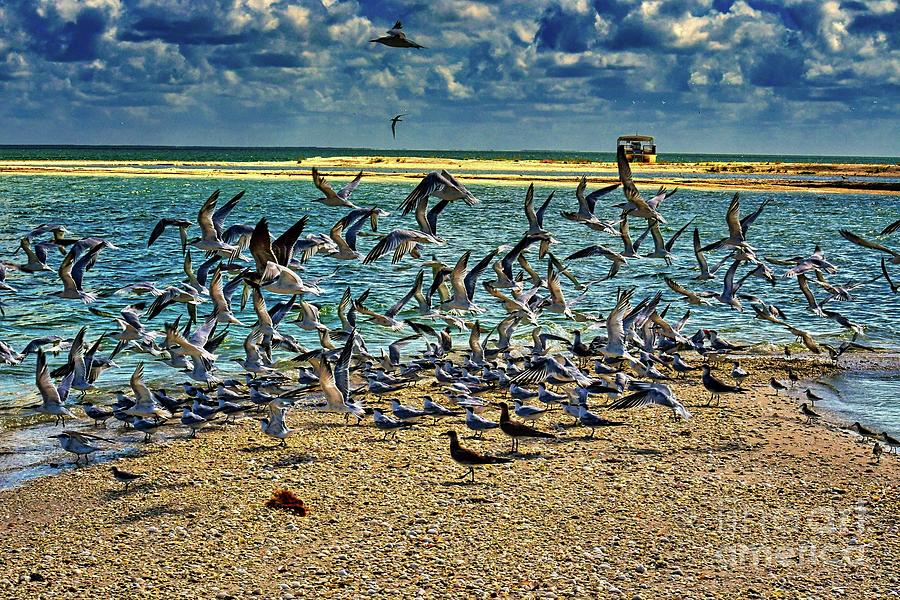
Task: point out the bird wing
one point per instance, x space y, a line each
698 253
205 217
342 367
591 199
887 277
579 195
540 212
223 211
201 335
659 244
747 221
158 230
398 306
345 191
261 246
855 239
624 168
615 328
671 243
733 218
677 287
475 272
351 232
283 247
635 400
468 198
529 208
65 270
457 275
260 308
216 293
429 184
141 391
895 226
432 216
323 185
48 391
400 241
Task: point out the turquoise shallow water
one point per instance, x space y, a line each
125 209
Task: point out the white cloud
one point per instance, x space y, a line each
297 16
454 88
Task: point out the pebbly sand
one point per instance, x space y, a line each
766 176
742 501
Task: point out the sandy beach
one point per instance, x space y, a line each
762 176
742 501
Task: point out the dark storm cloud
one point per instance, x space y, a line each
495 72
564 31
197 30
59 40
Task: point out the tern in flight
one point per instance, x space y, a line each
394 120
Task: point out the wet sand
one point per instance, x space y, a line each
744 500
770 176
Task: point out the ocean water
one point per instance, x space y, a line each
282 154
123 210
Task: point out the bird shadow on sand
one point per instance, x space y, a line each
145 486
332 425
643 451
466 483
723 448
264 448
704 406
160 510
521 455
298 459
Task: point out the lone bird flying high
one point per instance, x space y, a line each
395 38
394 120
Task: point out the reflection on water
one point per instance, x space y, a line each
870 397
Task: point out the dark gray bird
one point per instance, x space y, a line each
777 385
394 120
470 458
125 477
809 413
395 38
717 387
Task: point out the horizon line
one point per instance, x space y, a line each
524 150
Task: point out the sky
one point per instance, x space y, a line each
744 76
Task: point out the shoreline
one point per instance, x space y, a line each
741 500
761 176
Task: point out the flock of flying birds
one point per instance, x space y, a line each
627 367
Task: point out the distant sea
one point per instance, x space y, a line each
284 154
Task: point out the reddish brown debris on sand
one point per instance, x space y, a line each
287 500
